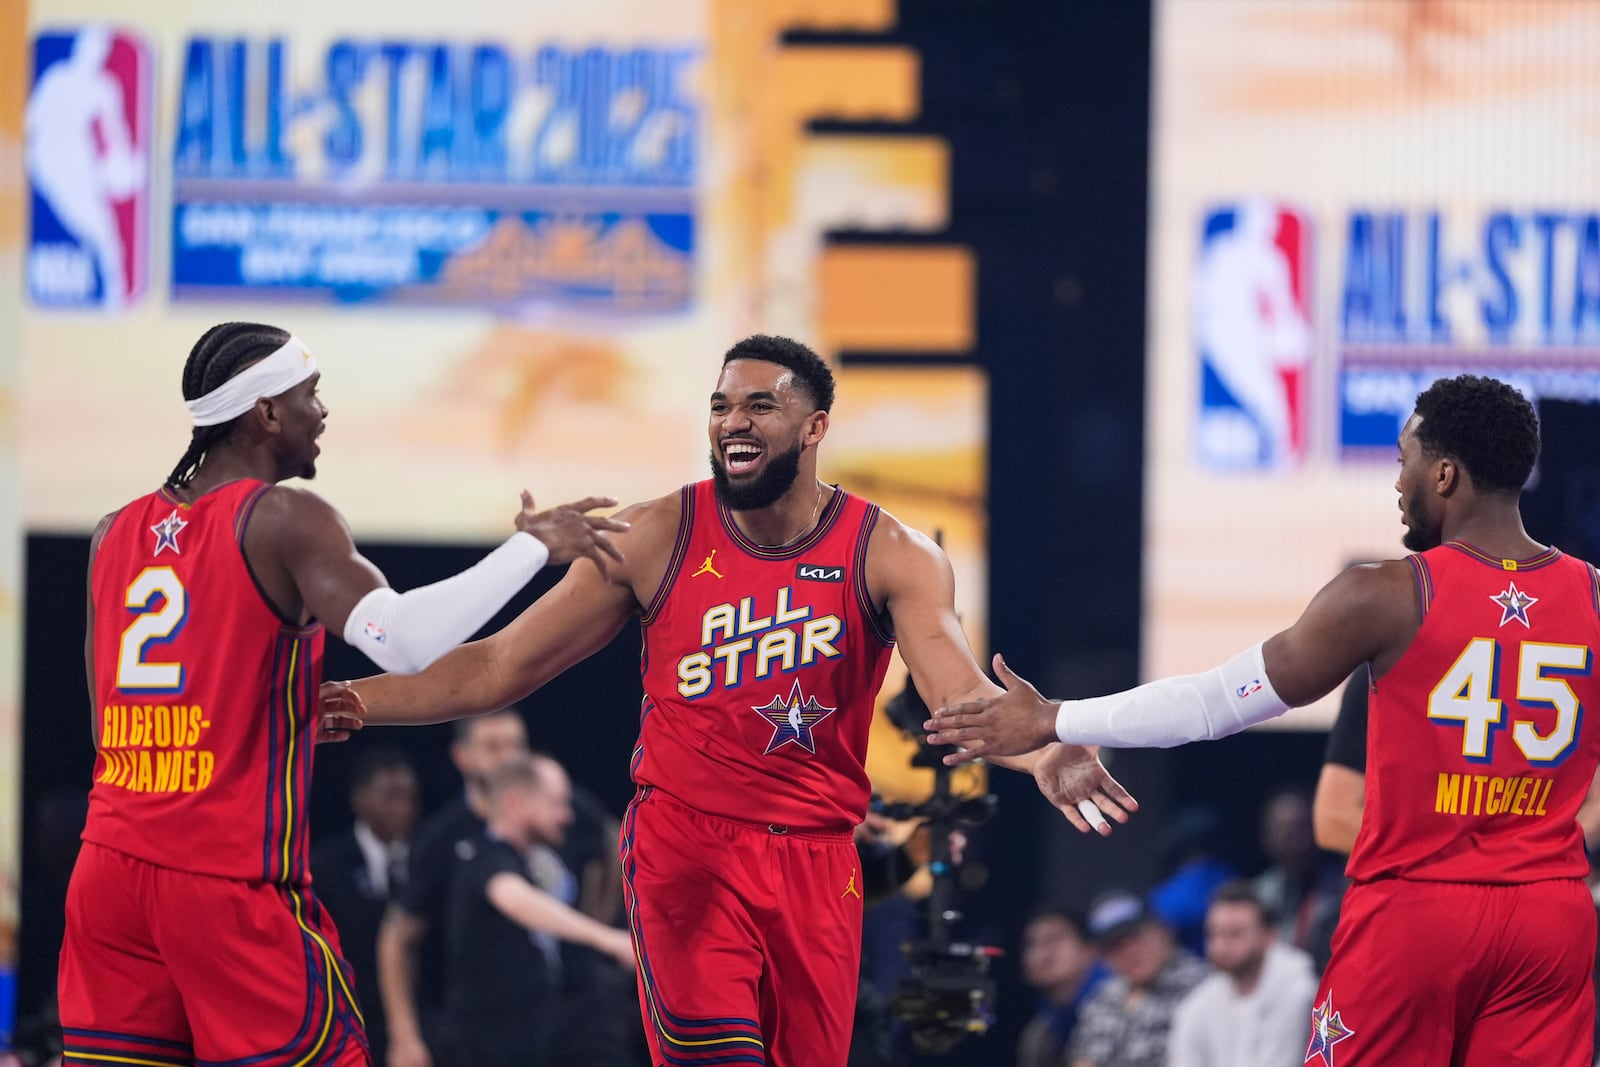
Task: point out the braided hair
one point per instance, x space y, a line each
221 352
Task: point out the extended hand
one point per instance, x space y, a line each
570 533
1011 724
340 713
618 944
1073 779
409 1052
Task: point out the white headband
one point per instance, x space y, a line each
284 369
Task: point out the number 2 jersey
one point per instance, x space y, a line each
761 668
205 699
1482 739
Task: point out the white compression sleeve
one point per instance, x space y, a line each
404 632
1174 711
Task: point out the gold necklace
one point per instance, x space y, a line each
811 522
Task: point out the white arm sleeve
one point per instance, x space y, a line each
1175 711
404 632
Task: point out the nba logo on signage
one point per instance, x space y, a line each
1252 324
87 131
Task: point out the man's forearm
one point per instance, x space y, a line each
396 977
465 682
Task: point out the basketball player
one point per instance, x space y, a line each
769 602
1468 936
192 934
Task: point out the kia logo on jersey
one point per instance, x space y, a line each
1251 314
87 131
811 572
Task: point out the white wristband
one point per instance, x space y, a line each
1175 711
404 632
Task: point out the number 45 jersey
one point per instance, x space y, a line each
205 698
1483 738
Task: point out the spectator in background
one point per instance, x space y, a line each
1126 1023
1191 852
1059 964
1302 886
1342 784
358 871
413 928
502 987
1255 1009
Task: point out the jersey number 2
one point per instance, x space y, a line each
136 673
1466 694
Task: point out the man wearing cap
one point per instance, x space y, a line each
1126 1022
192 934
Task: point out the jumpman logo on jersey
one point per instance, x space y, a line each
850 889
1514 604
166 532
793 719
707 568
1327 1030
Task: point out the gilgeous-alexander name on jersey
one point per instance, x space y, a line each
205 697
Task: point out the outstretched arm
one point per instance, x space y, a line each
571 622
1368 613
911 577
531 907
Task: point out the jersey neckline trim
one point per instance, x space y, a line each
1542 559
172 498
830 515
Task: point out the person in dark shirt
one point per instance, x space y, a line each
502 978
1342 784
359 870
414 927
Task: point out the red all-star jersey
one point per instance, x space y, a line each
761 667
205 699
1482 740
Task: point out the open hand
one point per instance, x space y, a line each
1073 779
340 713
569 532
1014 723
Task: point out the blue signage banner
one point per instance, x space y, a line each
437 173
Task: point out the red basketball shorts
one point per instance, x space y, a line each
1443 974
748 937
165 967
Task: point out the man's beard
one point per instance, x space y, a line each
1418 538
765 490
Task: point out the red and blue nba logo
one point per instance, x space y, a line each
87 132
1253 332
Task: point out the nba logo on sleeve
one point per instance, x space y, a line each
87 131
1252 325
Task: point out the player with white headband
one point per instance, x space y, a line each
191 931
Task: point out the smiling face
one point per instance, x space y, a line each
1419 506
762 420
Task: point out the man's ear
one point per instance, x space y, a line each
1448 477
816 428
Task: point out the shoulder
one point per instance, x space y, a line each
292 506
651 519
1187 971
1377 583
1107 998
899 556
1285 963
101 528
445 827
